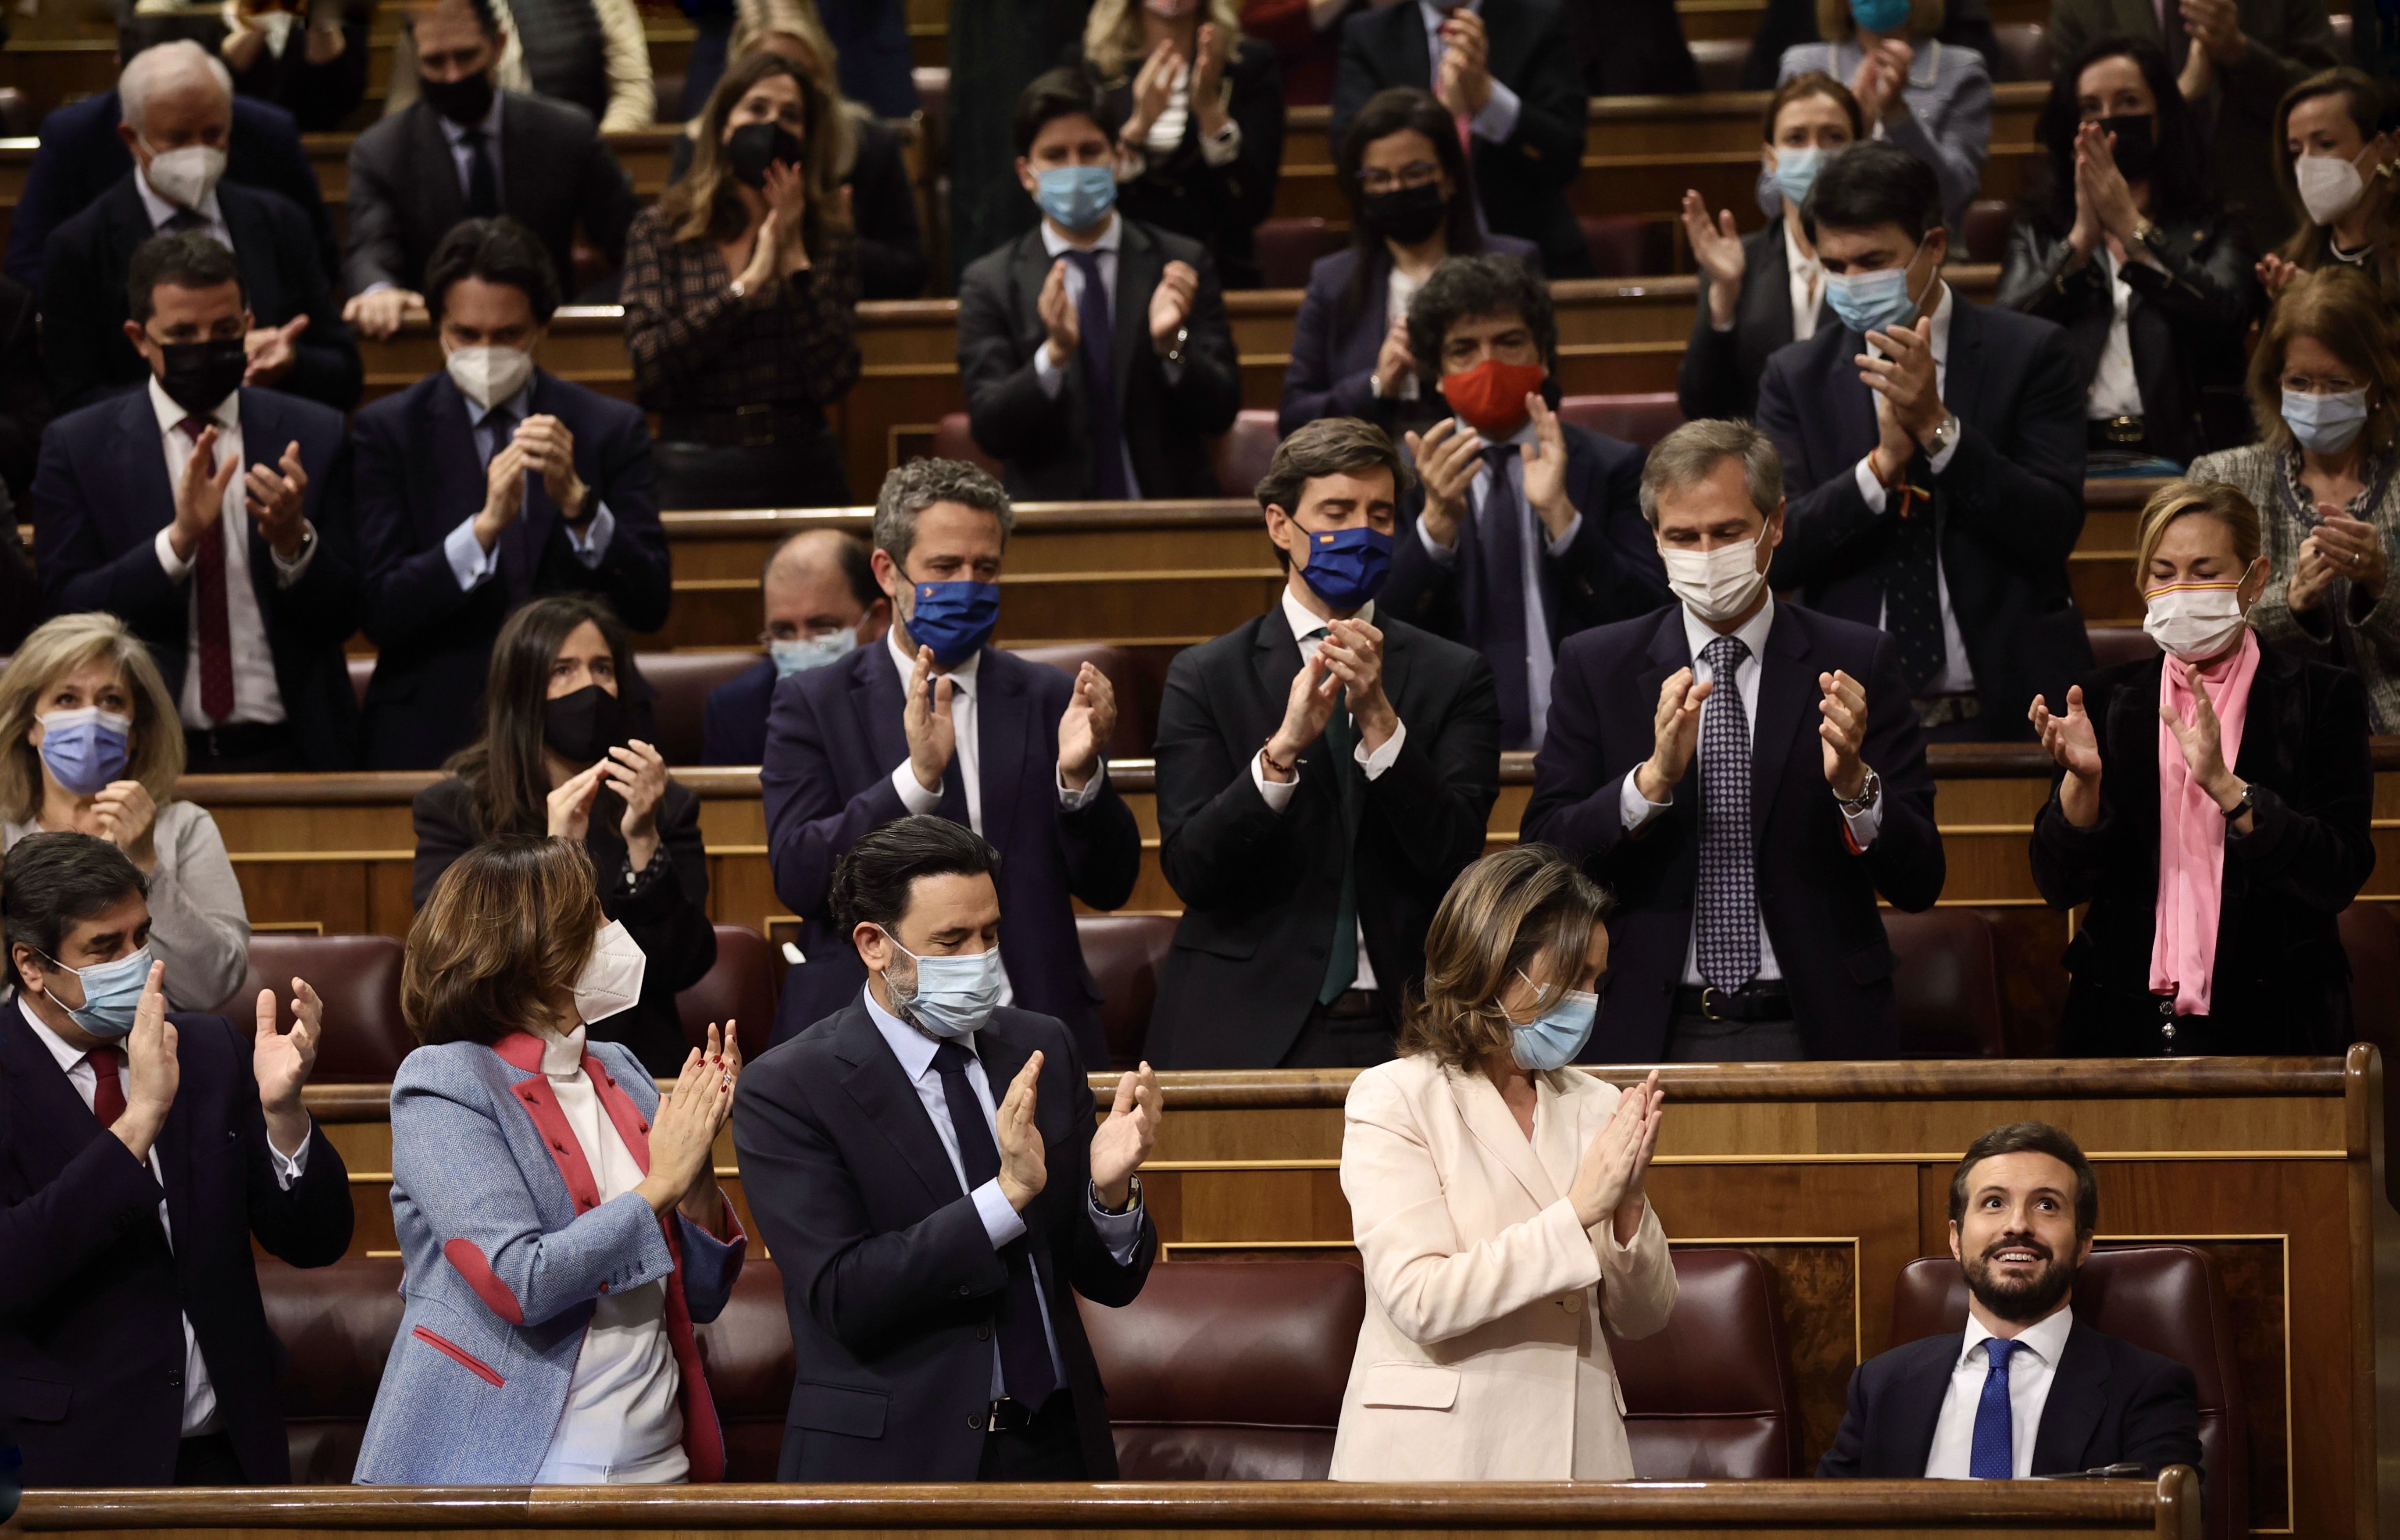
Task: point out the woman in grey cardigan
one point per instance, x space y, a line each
1931 98
91 741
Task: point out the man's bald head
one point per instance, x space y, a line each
175 81
822 580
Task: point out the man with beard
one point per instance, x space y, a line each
2027 1389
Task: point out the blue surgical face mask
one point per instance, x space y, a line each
800 654
86 749
1077 196
112 992
1552 1040
952 996
1795 171
2325 424
1877 301
1346 566
1879 15
954 618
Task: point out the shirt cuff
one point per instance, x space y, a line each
288 573
1725 328
1380 760
1070 801
1000 1223
1276 794
1498 118
1870 489
593 544
1865 825
1443 555
1637 810
469 562
1224 146
176 567
913 795
1043 374
290 1168
378 286
1567 536
1120 1232
1941 462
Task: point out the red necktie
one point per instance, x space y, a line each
107 1092
217 623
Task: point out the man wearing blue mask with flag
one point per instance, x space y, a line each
1094 350
934 719
1325 771
1933 454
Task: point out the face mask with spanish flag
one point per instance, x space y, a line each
2195 622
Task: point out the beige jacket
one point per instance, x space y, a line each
1481 1358
633 96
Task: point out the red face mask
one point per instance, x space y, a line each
1492 395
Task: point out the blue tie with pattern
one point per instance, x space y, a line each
1990 1458
1725 910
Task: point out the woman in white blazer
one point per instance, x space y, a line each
1497 1199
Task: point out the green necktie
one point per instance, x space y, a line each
1341 960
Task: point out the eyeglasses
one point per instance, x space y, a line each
1416 173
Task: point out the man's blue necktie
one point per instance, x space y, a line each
1991 1458
1099 341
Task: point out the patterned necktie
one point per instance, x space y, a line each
1725 918
482 185
1025 1368
107 1091
1500 591
1992 1459
1099 347
216 621
1341 754
1912 593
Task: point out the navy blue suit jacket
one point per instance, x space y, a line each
2012 497
834 737
889 1275
420 478
2110 1403
92 1299
100 496
81 158
734 728
1818 897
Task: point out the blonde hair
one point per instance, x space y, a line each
704 206
2341 308
759 24
1835 22
1508 913
2208 499
56 649
1112 36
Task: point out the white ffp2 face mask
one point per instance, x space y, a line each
2195 622
1717 584
489 375
2329 184
186 177
611 981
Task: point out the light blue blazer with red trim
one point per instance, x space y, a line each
506 1246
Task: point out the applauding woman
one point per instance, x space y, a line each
1492 1188
1930 98
560 1224
2214 852
2339 177
557 757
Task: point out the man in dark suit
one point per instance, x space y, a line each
140 1155
1094 350
1745 776
1509 69
82 156
214 518
483 485
178 104
936 720
2027 1389
467 150
1527 529
821 603
1310 868
926 1166
1934 450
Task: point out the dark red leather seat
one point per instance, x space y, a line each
2370 934
1627 245
1131 740
681 682
336 1325
1643 419
1946 976
1713 1395
1287 248
1720 60
358 977
740 987
1244 454
1124 952
2167 1299
1987 229
953 440
748 1352
2026 49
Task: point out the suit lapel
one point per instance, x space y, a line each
1003 730
446 203
1138 270
1785 683
254 250
1962 384
873 1080
262 443
1415 54
1769 315
457 469
55 1123
878 702
1852 403
1494 1127
1915 1406
2078 1393
152 504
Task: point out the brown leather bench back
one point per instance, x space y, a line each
1712 1396
336 1324
739 987
358 977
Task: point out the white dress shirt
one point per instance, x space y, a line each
1166 134
1309 631
622 1423
1498 118
212 217
1399 291
469 562
1105 248
199 1392
1958 675
256 696
1638 810
1807 287
1120 1232
1540 661
2032 1367
2116 393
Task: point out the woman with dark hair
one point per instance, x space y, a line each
740 297
1411 204
2131 254
557 757
2338 176
1932 99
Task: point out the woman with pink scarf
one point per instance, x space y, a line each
2212 808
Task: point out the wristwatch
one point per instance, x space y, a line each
2249 802
1133 1197
1174 354
1944 437
738 289
1866 798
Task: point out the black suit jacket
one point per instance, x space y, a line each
2282 980
889 1276
84 308
1218 206
92 1300
1523 183
1043 442
2110 1403
2010 499
24 402
101 497
1818 896
1720 372
1632 47
1261 889
419 479
734 724
554 172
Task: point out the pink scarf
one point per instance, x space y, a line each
2191 830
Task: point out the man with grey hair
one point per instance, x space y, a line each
822 604
936 720
178 106
1745 776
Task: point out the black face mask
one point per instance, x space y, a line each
2136 145
583 726
199 374
754 147
465 101
1407 215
